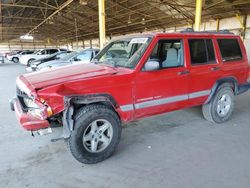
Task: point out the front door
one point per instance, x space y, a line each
165 89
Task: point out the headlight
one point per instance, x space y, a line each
22 86
30 103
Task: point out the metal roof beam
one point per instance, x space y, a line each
61 7
4 5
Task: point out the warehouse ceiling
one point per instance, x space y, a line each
68 18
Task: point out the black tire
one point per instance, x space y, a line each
211 111
15 59
29 62
83 119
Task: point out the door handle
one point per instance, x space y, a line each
183 72
215 68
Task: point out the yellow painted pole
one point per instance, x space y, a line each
240 20
198 15
102 30
218 25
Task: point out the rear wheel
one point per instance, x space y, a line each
96 134
221 106
29 62
15 59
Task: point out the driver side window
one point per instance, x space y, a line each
169 53
43 52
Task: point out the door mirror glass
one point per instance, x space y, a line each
151 66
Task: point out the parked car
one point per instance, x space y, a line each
79 57
27 59
2 58
131 78
56 56
10 53
16 56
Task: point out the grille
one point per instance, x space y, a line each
20 93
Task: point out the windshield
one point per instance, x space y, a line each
124 52
69 56
36 51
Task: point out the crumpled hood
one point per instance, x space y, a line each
61 75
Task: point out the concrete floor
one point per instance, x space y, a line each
174 150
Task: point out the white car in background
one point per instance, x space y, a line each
27 59
16 56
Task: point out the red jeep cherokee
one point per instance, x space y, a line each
131 78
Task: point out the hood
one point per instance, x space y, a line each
51 77
44 59
51 63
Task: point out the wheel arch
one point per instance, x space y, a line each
230 80
74 103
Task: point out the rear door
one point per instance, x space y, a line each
165 89
204 68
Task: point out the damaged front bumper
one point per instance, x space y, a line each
26 119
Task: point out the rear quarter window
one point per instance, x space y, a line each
229 49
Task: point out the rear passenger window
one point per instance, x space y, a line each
229 49
52 51
201 51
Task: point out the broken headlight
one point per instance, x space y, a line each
30 103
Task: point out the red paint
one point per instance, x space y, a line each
29 122
128 86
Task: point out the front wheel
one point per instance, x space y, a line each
221 106
15 59
29 62
96 134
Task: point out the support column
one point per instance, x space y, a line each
243 21
198 15
102 30
218 25
90 43
76 32
245 26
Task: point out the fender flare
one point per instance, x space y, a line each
70 101
230 80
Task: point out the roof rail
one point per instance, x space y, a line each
191 30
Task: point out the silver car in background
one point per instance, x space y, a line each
78 57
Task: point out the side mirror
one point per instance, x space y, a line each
151 66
